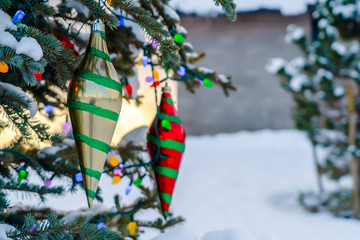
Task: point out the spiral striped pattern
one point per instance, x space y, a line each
94 103
172 145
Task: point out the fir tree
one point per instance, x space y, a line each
38 57
324 85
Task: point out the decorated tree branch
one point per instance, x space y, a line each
49 70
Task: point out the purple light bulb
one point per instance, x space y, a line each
121 166
67 127
149 79
47 183
154 43
116 171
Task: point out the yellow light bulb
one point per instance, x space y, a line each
132 228
139 62
113 161
4 68
109 2
156 75
116 179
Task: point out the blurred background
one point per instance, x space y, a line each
241 50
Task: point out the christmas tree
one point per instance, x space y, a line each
324 85
41 45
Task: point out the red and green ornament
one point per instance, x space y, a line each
172 145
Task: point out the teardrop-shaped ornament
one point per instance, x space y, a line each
94 102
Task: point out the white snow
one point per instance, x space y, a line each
298 81
274 65
177 234
223 78
5 228
339 48
323 73
32 106
6 22
244 185
347 11
294 33
27 45
8 40
207 7
171 13
339 91
78 6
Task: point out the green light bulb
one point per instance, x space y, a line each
178 38
22 175
207 82
138 182
166 124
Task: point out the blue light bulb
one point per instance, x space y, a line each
121 22
48 109
79 177
181 71
128 189
101 225
19 15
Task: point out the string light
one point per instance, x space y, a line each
67 127
138 182
48 109
157 83
178 38
4 68
101 225
113 161
47 183
207 82
79 177
116 171
132 228
128 189
181 72
22 174
154 43
32 228
149 79
38 76
156 75
116 179
121 22
19 15
144 61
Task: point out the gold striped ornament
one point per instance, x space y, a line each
94 103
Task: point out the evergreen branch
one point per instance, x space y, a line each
5 4
98 12
168 48
229 8
57 229
24 187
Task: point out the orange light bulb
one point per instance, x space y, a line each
113 161
4 68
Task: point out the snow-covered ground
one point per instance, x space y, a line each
240 186
206 7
